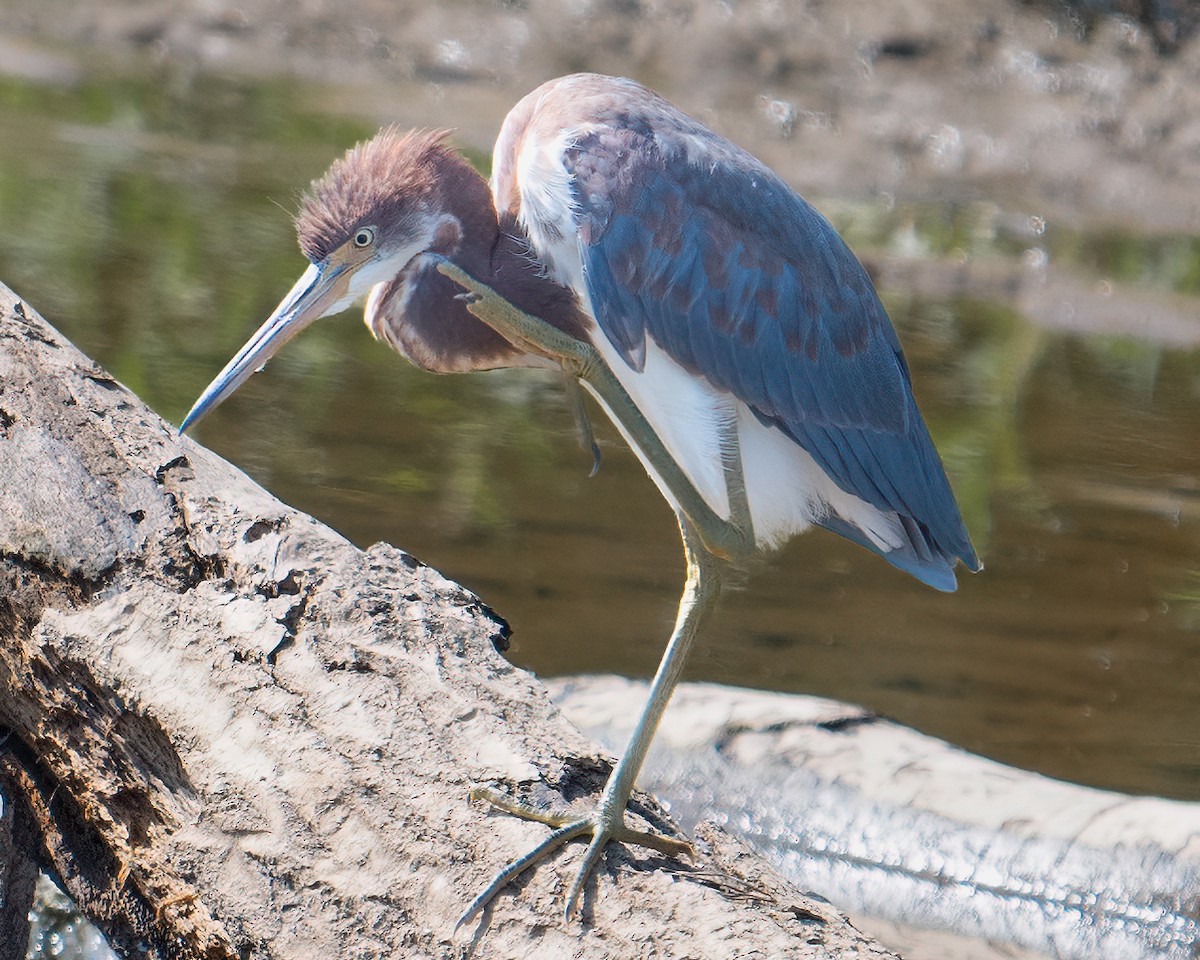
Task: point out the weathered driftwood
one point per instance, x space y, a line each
943 854
238 735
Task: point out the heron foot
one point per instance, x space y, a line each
606 823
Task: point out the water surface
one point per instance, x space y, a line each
145 213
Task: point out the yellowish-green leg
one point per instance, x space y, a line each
607 821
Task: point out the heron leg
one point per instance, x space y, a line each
708 540
607 821
732 538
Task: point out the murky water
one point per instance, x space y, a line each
142 215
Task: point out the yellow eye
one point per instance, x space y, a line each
364 236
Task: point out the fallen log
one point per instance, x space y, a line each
938 852
232 733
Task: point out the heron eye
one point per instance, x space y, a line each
364 236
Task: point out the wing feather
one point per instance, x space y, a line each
693 242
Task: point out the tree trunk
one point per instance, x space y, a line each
234 734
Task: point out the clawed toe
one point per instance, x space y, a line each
601 826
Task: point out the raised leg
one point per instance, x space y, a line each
607 821
731 538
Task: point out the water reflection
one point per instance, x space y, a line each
59 930
139 214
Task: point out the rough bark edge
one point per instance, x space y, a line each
19 847
54 835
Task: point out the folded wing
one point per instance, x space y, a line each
693 242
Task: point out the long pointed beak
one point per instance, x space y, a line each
315 294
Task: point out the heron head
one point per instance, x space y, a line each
359 225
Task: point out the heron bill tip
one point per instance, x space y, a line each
315 294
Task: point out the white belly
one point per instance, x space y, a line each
688 415
785 488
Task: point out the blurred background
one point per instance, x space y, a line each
1021 178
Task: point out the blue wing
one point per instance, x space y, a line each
692 241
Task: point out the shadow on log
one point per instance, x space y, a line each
19 851
231 733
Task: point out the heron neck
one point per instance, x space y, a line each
420 313
468 200
497 251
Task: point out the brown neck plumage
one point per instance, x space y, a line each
420 314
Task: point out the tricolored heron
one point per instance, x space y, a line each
720 321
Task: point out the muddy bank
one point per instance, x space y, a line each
1080 120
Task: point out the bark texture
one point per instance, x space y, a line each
239 735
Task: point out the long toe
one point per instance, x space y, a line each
543 851
603 825
594 852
